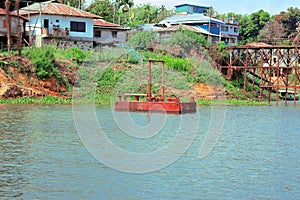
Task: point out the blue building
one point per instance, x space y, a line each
191 9
197 17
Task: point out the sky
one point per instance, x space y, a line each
236 6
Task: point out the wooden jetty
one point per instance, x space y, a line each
271 68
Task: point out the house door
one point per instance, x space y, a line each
46 23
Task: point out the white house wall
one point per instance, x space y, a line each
64 22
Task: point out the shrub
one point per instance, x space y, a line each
187 40
142 39
43 61
205 74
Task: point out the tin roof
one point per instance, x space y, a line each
190 19
257 44
3 12
54 8
101 22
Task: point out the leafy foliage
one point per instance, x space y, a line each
251 25
103 8
43 61
147 13
142 39
180 64
187 40
290 20
205 74
110 77
76 54
272 32
122 12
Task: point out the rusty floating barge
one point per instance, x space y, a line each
170 105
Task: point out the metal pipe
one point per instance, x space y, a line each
295 82
149 81
163 81
277 74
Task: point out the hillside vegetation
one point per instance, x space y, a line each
100 76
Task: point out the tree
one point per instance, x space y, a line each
290 20
187 41
74 3
296 41
103 8
126 6
251 25
147 13
272 32
21 3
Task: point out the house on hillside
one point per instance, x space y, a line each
17 26
195 16
106 33
52 22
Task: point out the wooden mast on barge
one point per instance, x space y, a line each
155 104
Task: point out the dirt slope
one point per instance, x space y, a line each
17 80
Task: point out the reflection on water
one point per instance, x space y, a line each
257 156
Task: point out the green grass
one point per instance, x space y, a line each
36 100
232 102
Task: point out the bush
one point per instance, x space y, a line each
43 61
142 39
187 40
180 64
76 54
205 74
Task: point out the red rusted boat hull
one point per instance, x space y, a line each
167 107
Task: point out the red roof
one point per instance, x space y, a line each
101 22
54 8
3 12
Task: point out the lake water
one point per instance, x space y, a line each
255 154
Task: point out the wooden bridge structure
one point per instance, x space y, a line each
271 68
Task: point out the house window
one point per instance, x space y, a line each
97 34
224 28
114 34
77 26
236 30
195 9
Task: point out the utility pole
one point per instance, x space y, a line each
29 26
17 6
7 5
209 24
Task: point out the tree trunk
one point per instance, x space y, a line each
7 5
